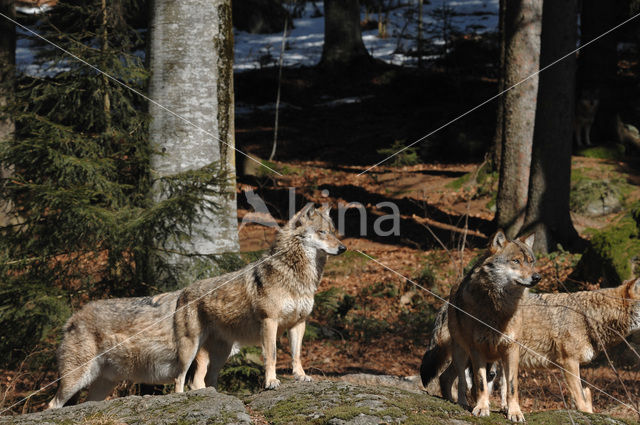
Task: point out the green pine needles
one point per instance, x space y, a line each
78 180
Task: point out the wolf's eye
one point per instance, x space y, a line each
322 232
516 261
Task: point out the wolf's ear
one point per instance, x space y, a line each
498 241
303 214
529 240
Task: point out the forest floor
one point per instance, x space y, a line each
388 321
368 319
373 320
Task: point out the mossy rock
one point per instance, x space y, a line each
603 152
323 402
341 403
204 406
595 198
611 255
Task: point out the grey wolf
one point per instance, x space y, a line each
155 339
487 301
585 115
566 329
256 307
98 328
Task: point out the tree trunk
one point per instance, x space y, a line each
548 205
343 46
522 56
7 65
496 146
191 60
7 88
598 63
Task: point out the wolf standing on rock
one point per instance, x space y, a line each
155 339
256 307
485 323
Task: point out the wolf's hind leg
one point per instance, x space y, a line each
202 364
187 350
446 382
218 354
581 396
100 389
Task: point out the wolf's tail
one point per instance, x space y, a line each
432 362
439 352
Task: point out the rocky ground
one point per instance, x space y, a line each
321 402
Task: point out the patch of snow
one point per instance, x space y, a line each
304 43
33 10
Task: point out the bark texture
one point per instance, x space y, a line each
7 87
7 64
496 147
191 60
343 45
522 58
548 204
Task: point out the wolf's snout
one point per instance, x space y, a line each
535 278
341 249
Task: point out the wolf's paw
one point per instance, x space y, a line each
515 415
272 384
302 378
480 411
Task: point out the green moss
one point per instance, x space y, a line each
554 417
603 152
611 253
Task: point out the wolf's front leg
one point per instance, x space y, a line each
269 336
460 360
296 334
481 390
510 364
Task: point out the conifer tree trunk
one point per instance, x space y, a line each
105 80
191 61
343 45
7 86
496 147
522 58
549 185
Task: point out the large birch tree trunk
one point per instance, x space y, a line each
191 61
522 58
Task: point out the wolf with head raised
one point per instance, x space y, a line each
482 321
155 339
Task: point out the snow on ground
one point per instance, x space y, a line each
304 42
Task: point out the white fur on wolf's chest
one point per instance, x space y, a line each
293 310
